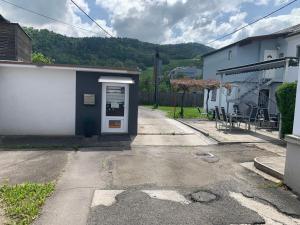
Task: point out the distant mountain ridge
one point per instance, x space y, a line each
117 52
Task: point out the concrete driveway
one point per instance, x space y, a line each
155 129
169 175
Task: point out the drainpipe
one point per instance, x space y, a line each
286 70
220 90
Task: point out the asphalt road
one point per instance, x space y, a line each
167 159
242 197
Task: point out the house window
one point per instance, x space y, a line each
298 51
229 55
213 95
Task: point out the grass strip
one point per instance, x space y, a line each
22 202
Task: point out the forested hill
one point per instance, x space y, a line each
118 52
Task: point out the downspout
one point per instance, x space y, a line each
220 90
286 70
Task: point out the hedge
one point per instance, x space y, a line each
286 98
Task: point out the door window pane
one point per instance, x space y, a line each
115 101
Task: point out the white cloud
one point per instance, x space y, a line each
158 21
265 26
62 10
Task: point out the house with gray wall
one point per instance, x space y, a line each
254 87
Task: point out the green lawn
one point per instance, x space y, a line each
22 203
188 112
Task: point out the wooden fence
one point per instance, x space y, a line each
169 99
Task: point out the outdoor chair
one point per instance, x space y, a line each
236 110
228 119
219 121
268 121
252 118
237 115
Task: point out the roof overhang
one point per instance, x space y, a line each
14 64
120 80
260 66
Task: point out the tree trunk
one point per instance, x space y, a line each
182 101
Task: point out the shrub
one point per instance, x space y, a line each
286 97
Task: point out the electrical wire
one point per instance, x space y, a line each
105 31
253 22
48 17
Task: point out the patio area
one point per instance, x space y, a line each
261 138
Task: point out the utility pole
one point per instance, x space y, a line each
156 75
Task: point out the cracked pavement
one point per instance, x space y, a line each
242 196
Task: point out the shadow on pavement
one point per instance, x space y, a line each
95 143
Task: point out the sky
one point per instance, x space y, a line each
157 21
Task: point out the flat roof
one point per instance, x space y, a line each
70 67
248 40
265 65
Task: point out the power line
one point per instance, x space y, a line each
255 21
48 17
105 31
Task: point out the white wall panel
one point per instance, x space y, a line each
296 129
37 101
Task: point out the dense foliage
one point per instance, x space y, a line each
38 57
118 52
286 98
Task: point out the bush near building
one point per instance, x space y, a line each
286 98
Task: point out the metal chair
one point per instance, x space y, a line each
252 118
267 119
218 118
228 119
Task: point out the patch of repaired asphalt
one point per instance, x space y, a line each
135 207
105 197
270 214
169 195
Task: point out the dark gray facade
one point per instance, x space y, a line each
15 44
88 117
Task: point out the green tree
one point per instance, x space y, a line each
38 57
286 98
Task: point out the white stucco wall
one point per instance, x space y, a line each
37 101
291 50
296 129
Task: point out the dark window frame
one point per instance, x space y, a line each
298 51
229 56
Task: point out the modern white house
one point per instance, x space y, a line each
255 66
67 100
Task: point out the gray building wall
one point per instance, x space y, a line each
89 116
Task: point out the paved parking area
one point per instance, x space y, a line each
152 181
27 165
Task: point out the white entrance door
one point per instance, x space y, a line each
115 98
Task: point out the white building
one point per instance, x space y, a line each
292 166
66 100
255 66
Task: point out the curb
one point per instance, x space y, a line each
201 131
266 169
